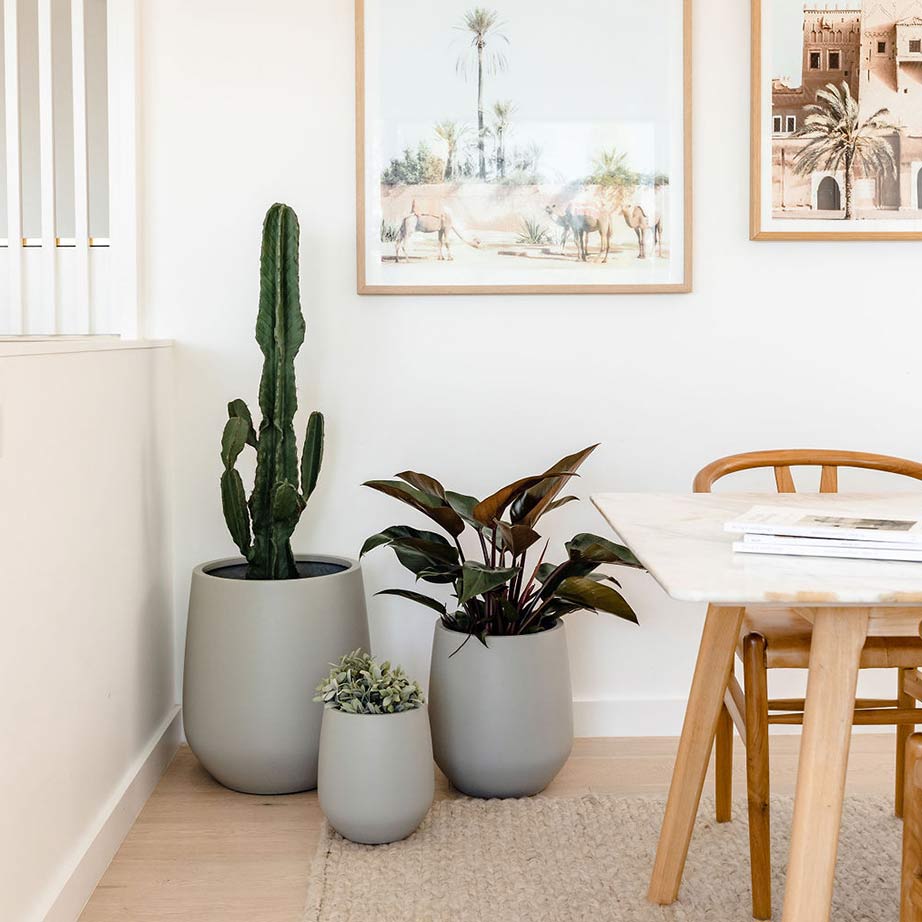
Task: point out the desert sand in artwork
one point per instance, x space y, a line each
475 224
425 249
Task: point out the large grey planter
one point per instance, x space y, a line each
502 717
376 777
255 651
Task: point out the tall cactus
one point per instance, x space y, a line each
262 528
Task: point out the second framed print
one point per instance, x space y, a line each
526 146
836 120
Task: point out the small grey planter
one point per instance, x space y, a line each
502 718
255 650
376 778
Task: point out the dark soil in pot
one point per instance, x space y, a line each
307 569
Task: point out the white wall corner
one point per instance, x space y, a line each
67 896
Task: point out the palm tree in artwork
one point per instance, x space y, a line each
839 139
451 133
502 116
485 30
610 168
613 176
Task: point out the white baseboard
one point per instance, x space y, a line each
92 856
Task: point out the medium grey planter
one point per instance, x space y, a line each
255 651
502 717
376 779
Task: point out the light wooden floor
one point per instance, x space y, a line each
201 853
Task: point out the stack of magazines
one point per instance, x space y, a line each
809 533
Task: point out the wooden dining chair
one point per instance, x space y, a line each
779 638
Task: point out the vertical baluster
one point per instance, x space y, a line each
50 321
81 167
17 320
124 233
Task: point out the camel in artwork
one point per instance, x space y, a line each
636 218
560 219
421 222
584 220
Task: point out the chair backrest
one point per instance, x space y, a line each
783 461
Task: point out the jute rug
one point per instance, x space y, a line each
585 858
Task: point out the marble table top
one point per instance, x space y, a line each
680 539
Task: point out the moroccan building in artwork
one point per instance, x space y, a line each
876 48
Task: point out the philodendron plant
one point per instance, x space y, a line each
262 527
502 592
359 684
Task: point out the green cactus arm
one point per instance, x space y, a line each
312 455
280 327
236 514
280 333
233 498
287 507
239 409
232 440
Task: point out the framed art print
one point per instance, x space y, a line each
526 146
836 120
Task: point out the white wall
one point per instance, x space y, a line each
87 678
780 345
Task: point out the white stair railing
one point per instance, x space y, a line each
80 285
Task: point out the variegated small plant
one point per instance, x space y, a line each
359 684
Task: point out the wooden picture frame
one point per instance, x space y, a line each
671 262
864 47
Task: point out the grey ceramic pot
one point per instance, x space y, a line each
255 651
376 777
502 717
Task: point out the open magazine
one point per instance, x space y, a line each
817 533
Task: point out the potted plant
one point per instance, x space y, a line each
501 706
263 625
376 775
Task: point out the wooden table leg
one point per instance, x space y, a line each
911 893
835 651
712 673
